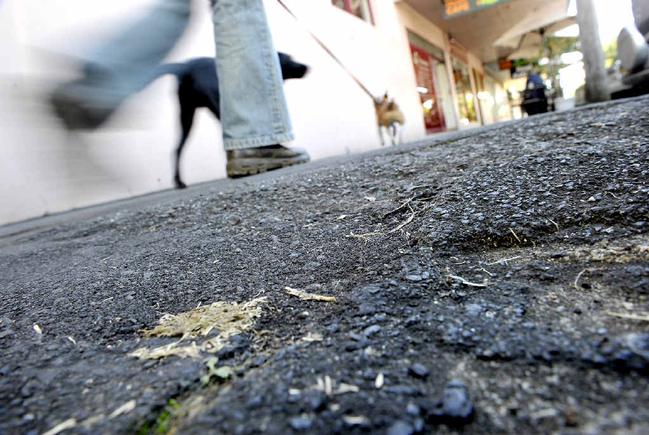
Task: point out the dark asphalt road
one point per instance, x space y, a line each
512 259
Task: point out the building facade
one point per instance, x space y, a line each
439 85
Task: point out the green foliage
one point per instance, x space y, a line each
610 53
162 423
556 45
553 47
221 374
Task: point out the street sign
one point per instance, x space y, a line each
455 8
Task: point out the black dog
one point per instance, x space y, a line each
198 87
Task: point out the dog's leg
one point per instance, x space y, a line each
381 136
393 133
186 120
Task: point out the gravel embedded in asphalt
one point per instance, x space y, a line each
513 259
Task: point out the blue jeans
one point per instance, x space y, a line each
253 106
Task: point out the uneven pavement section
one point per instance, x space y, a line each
514 260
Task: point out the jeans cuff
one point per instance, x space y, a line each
258 141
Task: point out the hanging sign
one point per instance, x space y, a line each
455 8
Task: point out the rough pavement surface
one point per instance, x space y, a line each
493 283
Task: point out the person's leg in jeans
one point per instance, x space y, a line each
253 109
254 115
122 66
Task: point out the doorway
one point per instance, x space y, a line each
428 62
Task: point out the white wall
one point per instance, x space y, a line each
44 170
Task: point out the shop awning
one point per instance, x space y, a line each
496 29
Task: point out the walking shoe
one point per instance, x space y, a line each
250 161
87 102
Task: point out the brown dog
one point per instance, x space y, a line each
389 118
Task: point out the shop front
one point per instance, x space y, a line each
432 84
466 99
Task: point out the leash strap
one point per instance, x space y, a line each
329 52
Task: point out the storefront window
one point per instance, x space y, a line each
478 79
360 8
466 99
428 62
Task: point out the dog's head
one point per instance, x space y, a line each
290 68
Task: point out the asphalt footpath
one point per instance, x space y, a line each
487 281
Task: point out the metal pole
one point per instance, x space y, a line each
591 47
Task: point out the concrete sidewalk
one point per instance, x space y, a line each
512 259
156 198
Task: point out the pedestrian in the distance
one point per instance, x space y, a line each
535 100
